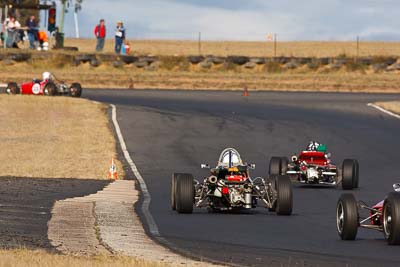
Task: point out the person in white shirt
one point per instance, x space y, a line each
12 27
119 37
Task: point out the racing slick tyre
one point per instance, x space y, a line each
349 173
50 89
184 196
284 201
12 89
275 166
357 171
173 190
75 90
391 218
347 217
284 165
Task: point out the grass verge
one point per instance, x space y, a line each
55 137
246 48
130 76
38 258
393 106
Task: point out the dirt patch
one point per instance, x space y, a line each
393 106
72 229
57 137
26 204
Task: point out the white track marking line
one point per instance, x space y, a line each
146 194
384 110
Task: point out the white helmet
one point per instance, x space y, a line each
46 75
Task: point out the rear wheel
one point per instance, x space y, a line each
12 89
173 190
50 89
75 90
184 197
275 166
391 218
284 201
347 217
349 172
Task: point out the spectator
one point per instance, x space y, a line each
12 27
32 31
119 37
100 33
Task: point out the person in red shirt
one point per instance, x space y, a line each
100 33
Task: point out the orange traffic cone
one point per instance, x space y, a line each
245 91
112 173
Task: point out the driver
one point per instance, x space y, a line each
312 146
46 76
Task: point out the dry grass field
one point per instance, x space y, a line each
129 76
256 49
17 258
55 137
393 106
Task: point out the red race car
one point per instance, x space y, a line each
47 86
383 216
313 166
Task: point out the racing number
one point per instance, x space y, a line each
36 88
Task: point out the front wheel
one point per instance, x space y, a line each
275 166
75 90
184 196
284 201
391 218
347 217
349 174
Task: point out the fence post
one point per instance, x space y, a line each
275 44
199 44
358 46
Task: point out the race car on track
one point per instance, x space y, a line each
49 85
383 216
313 166
230 187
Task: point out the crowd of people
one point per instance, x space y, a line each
121 44
13 33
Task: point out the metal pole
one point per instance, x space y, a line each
199 44
62 17
275 44
76 24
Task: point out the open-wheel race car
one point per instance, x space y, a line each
230 187
383 216
313 166
48 85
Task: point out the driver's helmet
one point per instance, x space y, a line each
46 75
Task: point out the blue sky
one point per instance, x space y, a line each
244 19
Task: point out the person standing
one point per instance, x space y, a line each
13 26
119 37
100 33
32 31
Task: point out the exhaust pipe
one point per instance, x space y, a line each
212 179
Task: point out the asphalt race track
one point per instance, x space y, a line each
169 131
